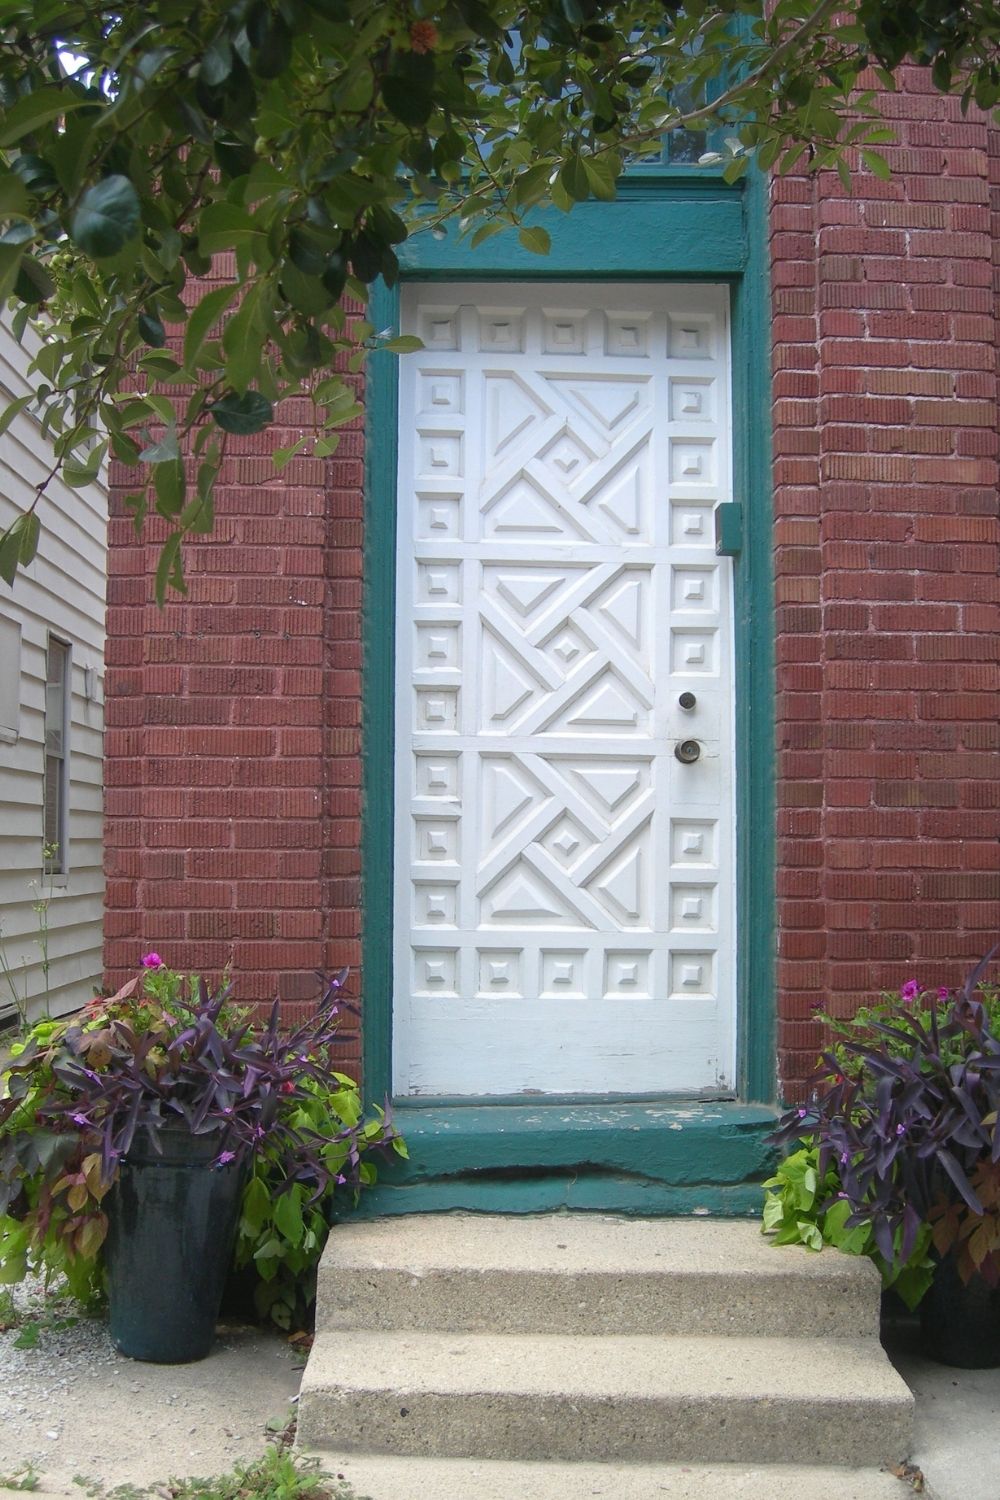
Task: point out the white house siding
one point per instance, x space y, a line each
62 592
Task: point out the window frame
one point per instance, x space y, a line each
57 864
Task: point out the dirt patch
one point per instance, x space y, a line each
72 1406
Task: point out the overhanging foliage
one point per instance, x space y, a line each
287 147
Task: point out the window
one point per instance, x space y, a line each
58 681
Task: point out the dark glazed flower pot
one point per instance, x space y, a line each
959 1321
171 1228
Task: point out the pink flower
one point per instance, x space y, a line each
943 992
152 961
910 991
224 1157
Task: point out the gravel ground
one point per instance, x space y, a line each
73 1406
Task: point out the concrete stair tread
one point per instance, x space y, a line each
582 1244
645 1367
580 1274
378 1477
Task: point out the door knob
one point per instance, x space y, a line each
687 751
687 701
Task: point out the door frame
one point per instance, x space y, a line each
671 227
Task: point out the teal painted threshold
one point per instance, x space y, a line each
663 1158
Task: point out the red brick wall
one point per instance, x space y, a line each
233 729
886 557
233 719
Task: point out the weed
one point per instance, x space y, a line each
9 1315
24 1477
277 1475
42 890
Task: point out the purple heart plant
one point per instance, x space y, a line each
903 1113
167 1054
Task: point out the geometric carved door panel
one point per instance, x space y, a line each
564 884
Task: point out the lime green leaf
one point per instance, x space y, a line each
573 178
10 550
600 176
403 343
203 318
876 163
108 217
536 239
31 530
288 1216
13 410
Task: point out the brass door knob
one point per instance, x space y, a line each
687 751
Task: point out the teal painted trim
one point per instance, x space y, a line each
637 1158
631 237
546 1195
754 658
378 698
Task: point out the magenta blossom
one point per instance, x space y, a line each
943 992
910 991
224 1157
152 961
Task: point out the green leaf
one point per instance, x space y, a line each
535 238
243 342
167 450
244 414
13 196
169 569
876 163
407 101
224 226
288 1216
403 343
573 178
10 267
78 475
203 318
10 551
600 176
152 330
168 481
34 110
33 283
107 218
14 410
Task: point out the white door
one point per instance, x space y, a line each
564 908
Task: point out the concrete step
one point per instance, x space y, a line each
583 1273
458 1479
640 1398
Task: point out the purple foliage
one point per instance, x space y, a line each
909 1117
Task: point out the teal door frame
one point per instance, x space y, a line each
667 227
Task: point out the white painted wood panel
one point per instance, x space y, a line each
63 591
564 885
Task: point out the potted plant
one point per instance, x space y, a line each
903 1120
136 1139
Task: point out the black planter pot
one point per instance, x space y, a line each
960 1321
171 1227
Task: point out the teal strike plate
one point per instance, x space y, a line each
728 529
